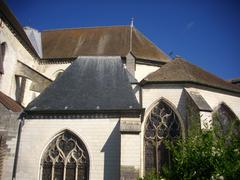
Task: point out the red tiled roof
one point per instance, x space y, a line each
9 103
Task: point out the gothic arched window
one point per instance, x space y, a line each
162 124
66 158
3 47
225 121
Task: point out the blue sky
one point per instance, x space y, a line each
206 32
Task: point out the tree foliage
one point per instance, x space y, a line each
205 155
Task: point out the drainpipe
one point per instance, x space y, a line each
140 95
21 123
141 101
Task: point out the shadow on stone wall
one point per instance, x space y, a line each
111 151
8 133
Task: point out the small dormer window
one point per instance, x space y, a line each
2 55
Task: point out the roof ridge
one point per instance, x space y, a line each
134 28
87 27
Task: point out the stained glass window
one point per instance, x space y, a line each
66 158
225 121
162 124
2 55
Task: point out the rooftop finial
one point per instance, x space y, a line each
132 20
131 30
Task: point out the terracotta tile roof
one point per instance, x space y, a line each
99 41
9 17
182 71
9 103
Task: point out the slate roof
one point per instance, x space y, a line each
199 101
9 103
89 84
99 41
181 71
9 17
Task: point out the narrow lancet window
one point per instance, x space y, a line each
2 55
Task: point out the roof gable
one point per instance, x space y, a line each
143 48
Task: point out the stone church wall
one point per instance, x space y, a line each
51 70
215 98
130 156
143 70
8 137
175 94
101 138
15 51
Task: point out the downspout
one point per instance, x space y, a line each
140 95
141 101
21 123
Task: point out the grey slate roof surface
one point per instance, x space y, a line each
89 83
200 102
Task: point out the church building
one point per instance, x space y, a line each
97 103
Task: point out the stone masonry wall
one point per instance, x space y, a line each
8 136
15 51
100 136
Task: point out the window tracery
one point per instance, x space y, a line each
66 158
162 124
225 121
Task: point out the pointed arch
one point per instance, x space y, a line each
65 158
162 122
225 120
3 49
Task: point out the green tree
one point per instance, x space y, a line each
212 154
